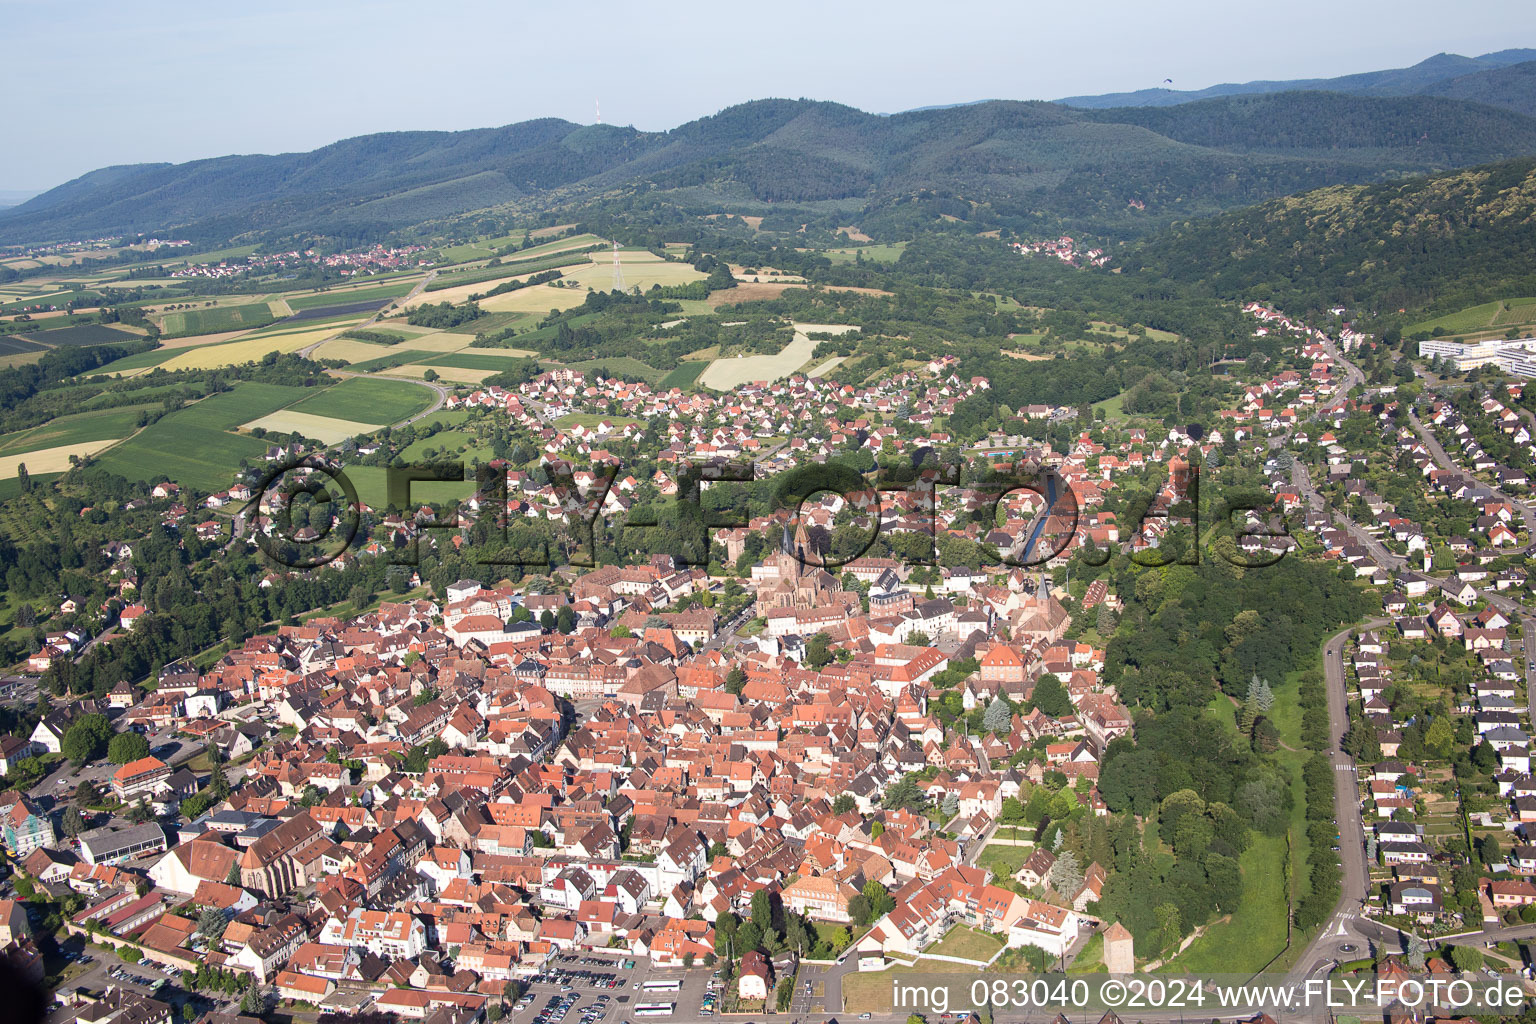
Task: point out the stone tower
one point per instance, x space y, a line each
1119 950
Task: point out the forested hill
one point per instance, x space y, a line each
1034 166
1423 78
1444 241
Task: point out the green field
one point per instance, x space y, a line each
388 362
314 300
142 361
482 360
187 322
1488 316
74 429
373 488
887 252
685 374
194 446
449 444
368 400
11 487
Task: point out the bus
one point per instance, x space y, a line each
654 1009
674 985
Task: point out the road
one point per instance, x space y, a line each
420 286
1347 934
1341 929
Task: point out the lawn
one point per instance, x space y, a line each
1003 861
368 400
1256 931
448 444
373 488
195 446
187 322
1114 408
591 419
968 943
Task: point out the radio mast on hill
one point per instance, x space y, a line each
618 269
599 105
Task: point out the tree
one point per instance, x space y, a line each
818 651
881 902
1066 875
211 923
843 804
904 793
74 822
1467 958
1050 697
87 739
998 717
126 747
951 805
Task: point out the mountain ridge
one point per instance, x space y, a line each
1044 164
1409 81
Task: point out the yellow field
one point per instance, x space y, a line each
541 298
826 367
640 268
725 374
250 349
325 429
50 460
199 340
457 374
349 351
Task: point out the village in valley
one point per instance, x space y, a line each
749 780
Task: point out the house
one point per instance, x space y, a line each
754 976
26 828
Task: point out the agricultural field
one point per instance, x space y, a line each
453 374
1486 318
336 309
81 428
732 371
16 345
368 400
215 319
248 348
197 445
377 363
685 375
83 335
336 296
495 359
325 429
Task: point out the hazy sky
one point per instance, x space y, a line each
89 83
